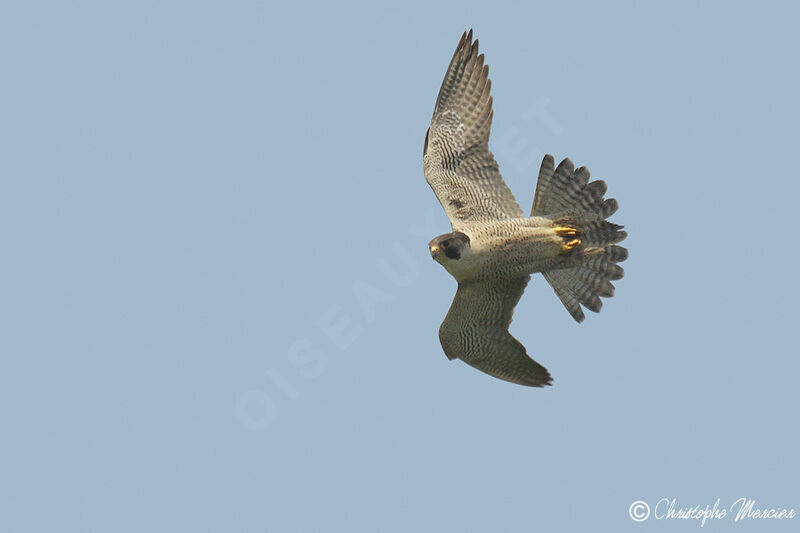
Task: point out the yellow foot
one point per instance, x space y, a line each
565 231
569 246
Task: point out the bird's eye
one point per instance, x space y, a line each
445 244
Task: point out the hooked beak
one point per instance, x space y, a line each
434 251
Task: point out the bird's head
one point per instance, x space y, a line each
449 248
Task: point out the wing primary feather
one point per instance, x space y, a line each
475 330
457 160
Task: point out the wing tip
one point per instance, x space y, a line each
539 381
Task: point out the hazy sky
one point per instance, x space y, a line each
218 308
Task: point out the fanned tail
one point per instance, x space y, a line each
579 214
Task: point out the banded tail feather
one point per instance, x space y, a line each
591 254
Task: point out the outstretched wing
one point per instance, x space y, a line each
458 164
475 330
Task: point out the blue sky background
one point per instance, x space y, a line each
218 308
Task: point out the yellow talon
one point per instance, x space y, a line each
566 247
565 231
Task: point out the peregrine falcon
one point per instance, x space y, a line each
494 248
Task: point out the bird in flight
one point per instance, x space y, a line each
494 248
